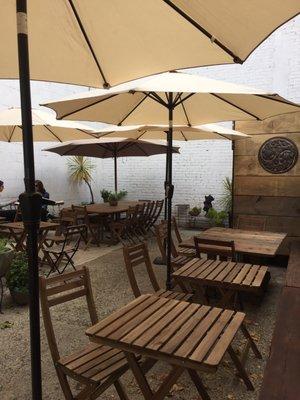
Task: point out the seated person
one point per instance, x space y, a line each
9 215
39 187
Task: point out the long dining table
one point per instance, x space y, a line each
258 243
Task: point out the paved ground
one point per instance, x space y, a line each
111 291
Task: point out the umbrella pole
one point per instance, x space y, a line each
169 190
30 201
116 172
166 180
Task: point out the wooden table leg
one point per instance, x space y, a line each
165 387
199 385
241 370
251 342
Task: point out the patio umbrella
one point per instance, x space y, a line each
172 98
45 127
111 148
83 38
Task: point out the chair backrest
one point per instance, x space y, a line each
150 205
81 212
134 256
176 230
252 222
157 211
161 233
214 247
18 214
61 289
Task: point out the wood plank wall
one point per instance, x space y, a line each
258 192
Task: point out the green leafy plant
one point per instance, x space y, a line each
218 217
195 211
81 169
4 245
121 194
116 196
226 199
17 276
105 195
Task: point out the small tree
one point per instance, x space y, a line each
81 169
226 199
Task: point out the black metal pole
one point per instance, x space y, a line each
166 180
169 189
116 171
30 201
232 180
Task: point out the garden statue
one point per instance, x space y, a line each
208 203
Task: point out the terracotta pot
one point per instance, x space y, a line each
113 203
19 298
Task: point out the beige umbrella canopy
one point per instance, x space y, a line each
111 148
196 100
180 132
45 127
90 37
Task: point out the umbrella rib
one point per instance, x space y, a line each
235 58
106 84
234 105
185 113
48 129
11 135
143 133
86 132
87 106
134 108
184 99
183 136
154 96
275 99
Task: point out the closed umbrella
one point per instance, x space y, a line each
46 128
172 98
110 148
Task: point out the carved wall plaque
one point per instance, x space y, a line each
278 155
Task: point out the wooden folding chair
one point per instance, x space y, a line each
64 251
137 255
252 222
177 261
95 366
157 209
181 251
224 249
92 221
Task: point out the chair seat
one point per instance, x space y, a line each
174 295
58 249
94 363
187 252
55 238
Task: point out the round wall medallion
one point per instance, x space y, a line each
278 155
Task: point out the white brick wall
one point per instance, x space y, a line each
201 167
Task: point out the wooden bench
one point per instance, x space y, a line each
282 373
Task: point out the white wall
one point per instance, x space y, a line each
201 166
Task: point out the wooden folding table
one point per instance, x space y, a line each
187 336
228 277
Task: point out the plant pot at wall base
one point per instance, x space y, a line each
20 298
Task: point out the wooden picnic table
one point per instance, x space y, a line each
17 231
246 242
187 336
228 277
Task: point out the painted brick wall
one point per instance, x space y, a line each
201 167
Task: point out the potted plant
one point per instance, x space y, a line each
81 169
195 211
113 199
105 195
121 194
6 256
218 218
17 279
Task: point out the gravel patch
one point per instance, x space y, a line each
112 290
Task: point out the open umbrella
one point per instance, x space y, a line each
45 127
76 41
172 98
111 147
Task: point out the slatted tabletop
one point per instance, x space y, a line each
107 209
226 274
184 334
246 242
